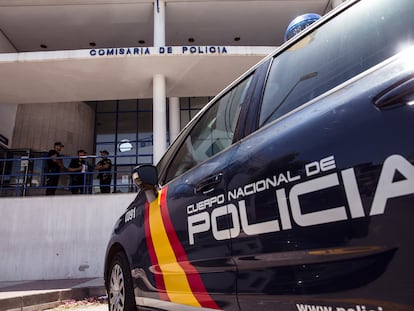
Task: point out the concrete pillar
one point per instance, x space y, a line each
159 93
159 23
159 117
174 105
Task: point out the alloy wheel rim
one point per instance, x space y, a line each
117 289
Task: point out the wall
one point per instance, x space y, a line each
7 119
57 237
38 126
5 45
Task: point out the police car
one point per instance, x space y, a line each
293 189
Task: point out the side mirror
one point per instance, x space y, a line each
146 178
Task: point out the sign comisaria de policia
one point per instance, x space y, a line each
159 50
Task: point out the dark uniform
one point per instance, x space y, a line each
52 172
105 176
78 177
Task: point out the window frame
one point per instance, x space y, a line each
166 161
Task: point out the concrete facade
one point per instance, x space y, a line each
40 125
7 121
60 237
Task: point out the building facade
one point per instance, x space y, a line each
124 76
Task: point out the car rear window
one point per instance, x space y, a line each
362 36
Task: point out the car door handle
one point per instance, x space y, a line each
400 93
207 185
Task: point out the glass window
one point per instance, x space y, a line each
105 126
122 178
107 106
189 107
124 128
127 121
347 45
213 131
128 105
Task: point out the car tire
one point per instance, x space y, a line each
120 290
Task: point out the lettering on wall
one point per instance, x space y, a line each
163 50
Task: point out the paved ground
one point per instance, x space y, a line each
81 308
49 294
81 305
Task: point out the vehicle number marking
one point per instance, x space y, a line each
130 215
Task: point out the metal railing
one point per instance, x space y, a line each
27 176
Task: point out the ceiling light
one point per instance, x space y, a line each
125 146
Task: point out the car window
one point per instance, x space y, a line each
335 52
212 133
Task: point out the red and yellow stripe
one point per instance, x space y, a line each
177 280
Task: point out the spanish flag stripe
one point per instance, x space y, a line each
175 279
194 279
159 281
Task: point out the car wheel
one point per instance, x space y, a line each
120 290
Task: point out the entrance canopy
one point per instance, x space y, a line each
121 73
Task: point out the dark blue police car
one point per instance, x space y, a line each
293 189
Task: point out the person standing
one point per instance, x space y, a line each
54 166
104 167
78 169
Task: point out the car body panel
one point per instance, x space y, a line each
333 219
206 263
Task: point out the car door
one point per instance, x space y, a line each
187 227
324 188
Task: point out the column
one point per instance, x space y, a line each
159 93
159 23
174 105
159 117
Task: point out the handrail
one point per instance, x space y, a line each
26 176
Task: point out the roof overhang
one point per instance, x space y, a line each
122 73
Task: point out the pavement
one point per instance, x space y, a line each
47 294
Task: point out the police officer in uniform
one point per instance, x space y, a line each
78 168
104 167
53 167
